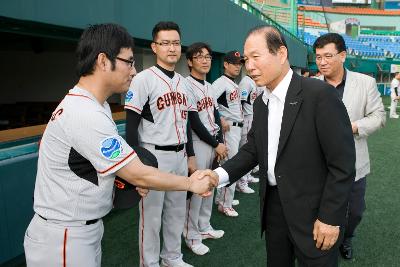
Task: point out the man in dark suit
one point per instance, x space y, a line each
301 137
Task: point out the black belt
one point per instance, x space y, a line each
170 148
87 222
238 124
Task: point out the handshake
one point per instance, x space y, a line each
202 182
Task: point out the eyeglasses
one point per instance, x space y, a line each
168 44
201 58
327 57
131 63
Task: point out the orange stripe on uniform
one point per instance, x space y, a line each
65 248
115 165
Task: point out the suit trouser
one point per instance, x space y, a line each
356 207
198 209
281 248
225 195
393 107
49 243
166 208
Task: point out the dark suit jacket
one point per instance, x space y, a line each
315 165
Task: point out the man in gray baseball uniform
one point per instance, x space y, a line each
157 109
226 91
81 153
207 144
249 91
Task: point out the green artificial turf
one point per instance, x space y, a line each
378 237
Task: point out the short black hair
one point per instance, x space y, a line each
196 48
273 37
330 38
165 26
101 38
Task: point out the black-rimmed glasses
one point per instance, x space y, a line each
131 63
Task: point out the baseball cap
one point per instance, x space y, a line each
233 57
125 194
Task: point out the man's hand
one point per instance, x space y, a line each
203 182
325 235
142 191
354 127
221 151
192 166
225 125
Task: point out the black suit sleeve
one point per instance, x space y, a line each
132 124
337 143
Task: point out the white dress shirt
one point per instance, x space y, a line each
275 100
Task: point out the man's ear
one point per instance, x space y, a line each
190 63
153 47
283 54
102 61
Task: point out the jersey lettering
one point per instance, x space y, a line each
171 98
204 103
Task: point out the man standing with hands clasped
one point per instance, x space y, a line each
301 138
367 114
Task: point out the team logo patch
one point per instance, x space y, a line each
111 148
244 93
129 96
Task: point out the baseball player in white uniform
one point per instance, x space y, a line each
394 95
207 144
248 92
157 110
81 153
228 98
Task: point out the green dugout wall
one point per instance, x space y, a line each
221 23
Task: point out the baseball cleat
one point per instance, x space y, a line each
199 249
179 264
230 212
212 234
244 189
252 179
235 202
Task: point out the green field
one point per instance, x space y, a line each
377 242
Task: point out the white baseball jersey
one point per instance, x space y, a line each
249 92
79 154
163 104
203 96
227 95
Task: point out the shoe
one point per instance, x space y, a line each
212 234
244 189
180 264
252 179
346 250
199 249
235 202
230 212
394 116
255 174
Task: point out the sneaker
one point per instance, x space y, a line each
395 116
230 212
235 202
252 179
244 189
212 234
179 264
199 249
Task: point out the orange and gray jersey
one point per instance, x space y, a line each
78 156
248 93
228 97
203 98
163 104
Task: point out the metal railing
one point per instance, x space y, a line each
263 17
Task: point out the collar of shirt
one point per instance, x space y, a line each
280 90
343 82
85 93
